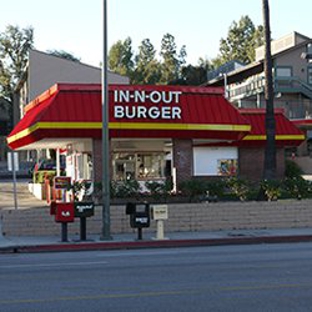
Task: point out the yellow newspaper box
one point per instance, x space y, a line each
159 212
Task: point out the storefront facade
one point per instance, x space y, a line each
156 132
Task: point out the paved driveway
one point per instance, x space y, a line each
25 199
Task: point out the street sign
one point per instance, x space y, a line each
10 162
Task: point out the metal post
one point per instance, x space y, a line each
64 232
14 180
83 228
140 236
105 235
58 163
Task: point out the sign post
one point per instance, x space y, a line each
13 166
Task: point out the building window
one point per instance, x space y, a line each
215 161
282 77
310 75
138 166
283 72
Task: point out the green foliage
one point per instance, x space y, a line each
239 187
63 54
147 69
271 189
121 57
128 188
144 68
242 39
215 188
193 188
159 190
172 60
297 187
292 170
15 44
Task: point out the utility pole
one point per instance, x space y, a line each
269 172
105 235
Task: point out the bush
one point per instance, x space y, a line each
271 189
193 188
215 188
292 170
159 189
297 187
239 187
128 188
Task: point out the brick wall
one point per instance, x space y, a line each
183 159
251 160
182 217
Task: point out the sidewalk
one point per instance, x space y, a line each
129 241
181 239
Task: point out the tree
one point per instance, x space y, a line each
195 75
147 68
242 39
120 58
63 54
270 150
172 60
15 44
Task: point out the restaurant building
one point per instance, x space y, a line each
155 132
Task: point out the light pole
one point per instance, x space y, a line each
105 235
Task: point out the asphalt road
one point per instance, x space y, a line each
227 278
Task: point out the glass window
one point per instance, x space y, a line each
150 165
283 72
310 75
138 166
124 166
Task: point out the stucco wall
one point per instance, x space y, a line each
45 70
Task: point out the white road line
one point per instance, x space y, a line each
46 265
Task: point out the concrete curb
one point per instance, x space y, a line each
111 245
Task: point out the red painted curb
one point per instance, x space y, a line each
111 245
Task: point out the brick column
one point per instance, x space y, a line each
97 160
183 159
251 162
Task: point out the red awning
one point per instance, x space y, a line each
75 111
287 134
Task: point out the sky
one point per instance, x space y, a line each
76 26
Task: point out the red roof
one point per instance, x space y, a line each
287 134
305 124
75 110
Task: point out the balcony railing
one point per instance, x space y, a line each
299 109
246 89
254 86
292 84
